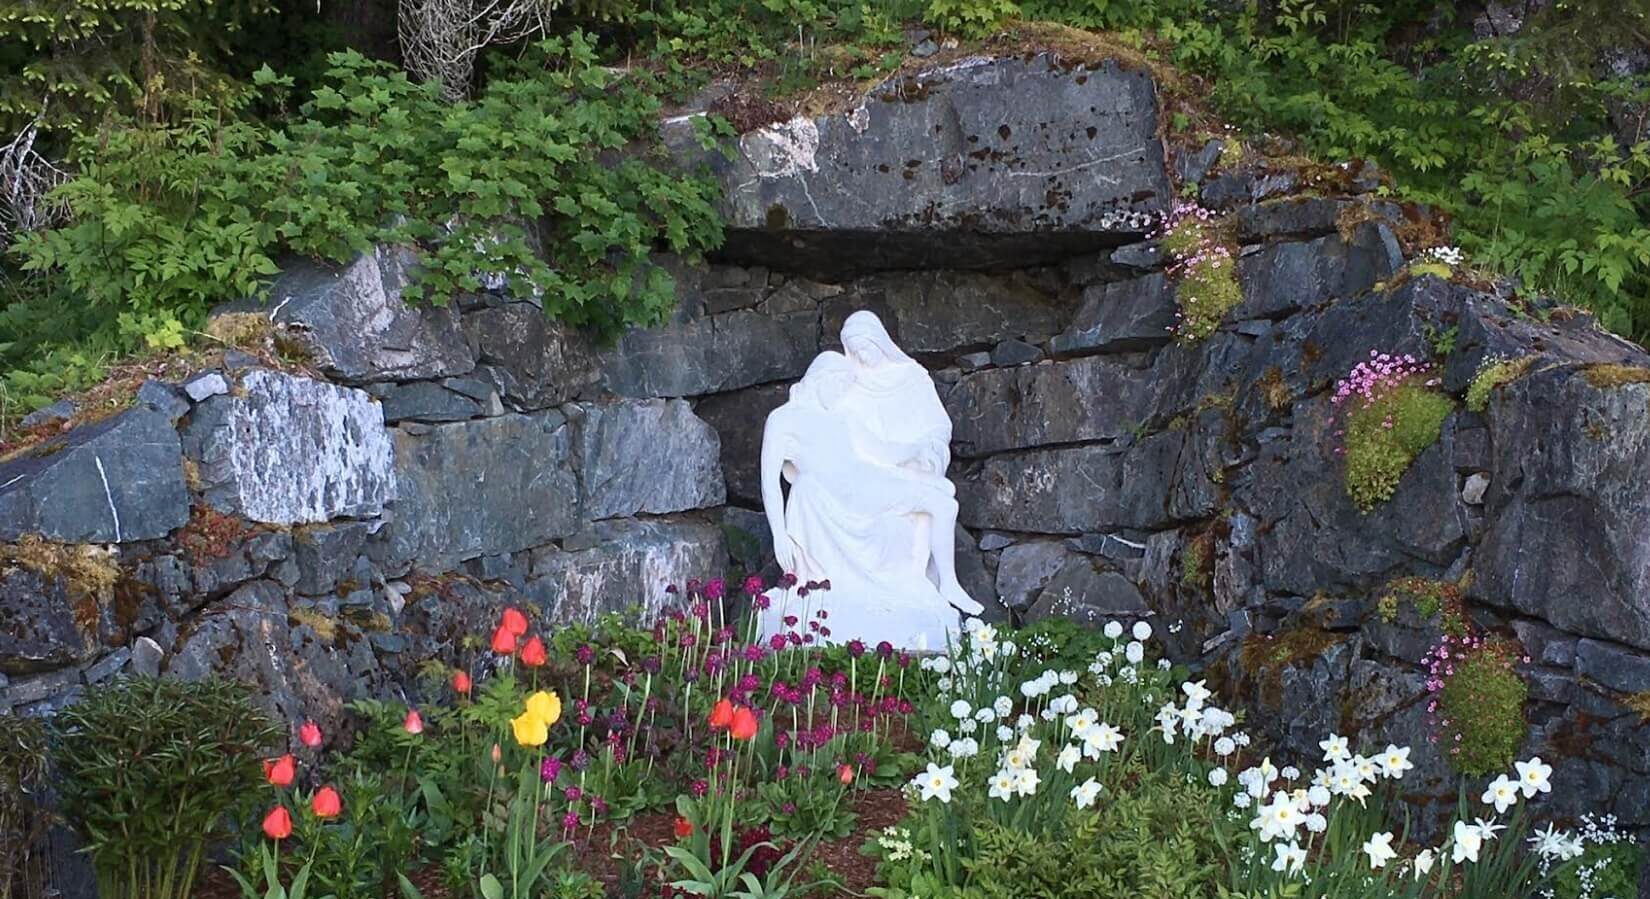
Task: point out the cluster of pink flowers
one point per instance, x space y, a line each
1440 663
1377 376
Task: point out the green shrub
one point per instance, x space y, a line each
22 821
1384 436
1204 269
149 770
1480 703
1492 373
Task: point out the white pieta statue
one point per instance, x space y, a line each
864 442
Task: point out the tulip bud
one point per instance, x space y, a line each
326 803
309 734
845 774
281 771
533 654
413 723
497 754
278 823
514 622
461 683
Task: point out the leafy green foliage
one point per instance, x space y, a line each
1385 435
149 769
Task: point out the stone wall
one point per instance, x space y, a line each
321 531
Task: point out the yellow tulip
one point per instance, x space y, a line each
544 706
530 730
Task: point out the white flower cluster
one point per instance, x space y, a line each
1554 846
896 841
1290 809
1450 256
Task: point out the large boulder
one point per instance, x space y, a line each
644 457
483 487
1567 508
283 449
622 564
354 324
116 481
986 162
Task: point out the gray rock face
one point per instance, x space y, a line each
540 363
712 353
650 457
117 481
1289 276
1062 491
1005 409
1566 511
943 312
981 163
356 326
429 401
738 418
1089 594
627 562
290 450
1023 569
483 487
1121 316
43 623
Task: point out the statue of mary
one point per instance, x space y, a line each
864 443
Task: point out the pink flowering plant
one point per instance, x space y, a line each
1392 412
1203 266
1476 700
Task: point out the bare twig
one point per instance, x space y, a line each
440 38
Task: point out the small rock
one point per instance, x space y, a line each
925 48
1472 493
163 398
974 361
146 657
1015 352
56 413
1142 257
1192 167
201 387
993 541
108 666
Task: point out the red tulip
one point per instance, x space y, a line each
281 771
461 683
721 714
278 823
532 653
845 774
514 622
326 804
744 724
413 723
309 734
684 828
504 642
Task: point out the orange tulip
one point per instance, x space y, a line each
845 774
533 654
461 683
744 724
278 823
281 771
721 714
514 622
413 723
310 734
326 803
684 828
504 642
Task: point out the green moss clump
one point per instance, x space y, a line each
1429 598
1493 373
1481 707
1384 436
1205 271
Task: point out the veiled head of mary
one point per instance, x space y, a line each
867 341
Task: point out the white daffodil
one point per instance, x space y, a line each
1067 759
1533 777
1395 761
1277 819
1085 793
1026 781
1422 864
1002 785
1379 849
937 783
1290 857
1080 722
1196 692
1334 748
1502 794
1466 842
